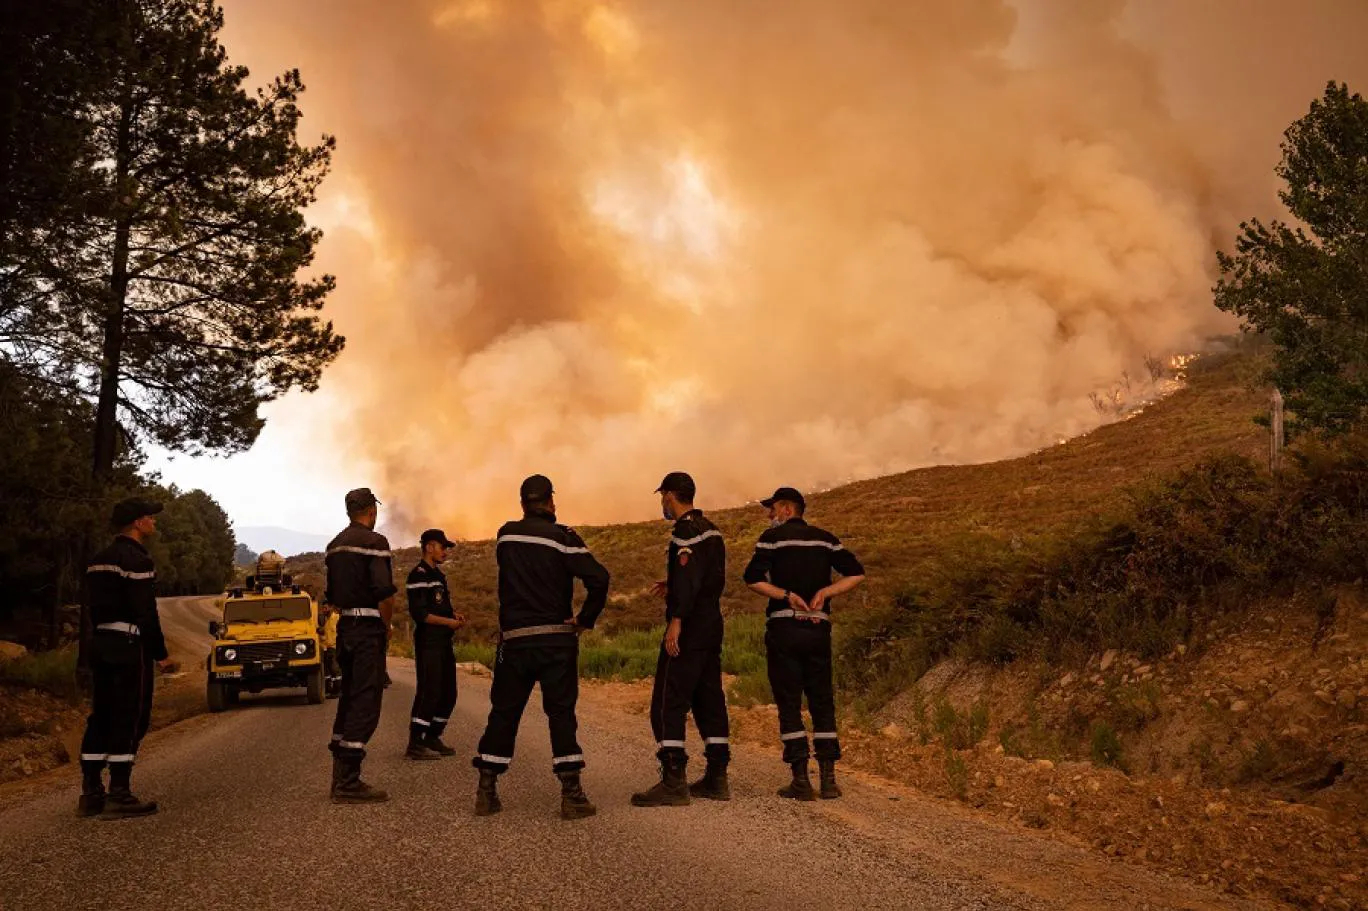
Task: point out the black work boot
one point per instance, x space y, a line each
349 788
800 788
574 802
436 745
671 791
827 770
92 799
487 801
121 804
713 785
418 749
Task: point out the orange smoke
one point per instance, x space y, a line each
797 242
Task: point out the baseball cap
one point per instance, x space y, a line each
126 512
787 494
536 489
360 498
435 534
678 482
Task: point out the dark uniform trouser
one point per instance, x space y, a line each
691 681
799 658
435 667
361 656
121 705
517 670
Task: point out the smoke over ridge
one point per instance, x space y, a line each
790 242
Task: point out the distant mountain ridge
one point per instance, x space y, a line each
284 541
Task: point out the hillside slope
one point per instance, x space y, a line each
896 523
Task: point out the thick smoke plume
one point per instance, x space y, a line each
768 242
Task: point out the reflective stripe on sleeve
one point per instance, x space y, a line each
501 760
680 542
420 721
363 551
121 757
412 585
794 735
129 628
824 735
119 571
775 545
716 740
94 757
440 720
544 542
360 612
351 745
668 744
577 757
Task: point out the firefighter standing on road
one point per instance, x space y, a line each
361 589
125 640
434 625
792 566
689 669
539 562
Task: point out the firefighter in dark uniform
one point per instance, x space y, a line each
539 562
792 566
361 590
434 624
123 641
689 669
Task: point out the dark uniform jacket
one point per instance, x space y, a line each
694 581
800 558
539 562
428 594
360 569
121 588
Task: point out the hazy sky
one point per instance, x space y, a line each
768 242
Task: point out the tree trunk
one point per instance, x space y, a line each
107 412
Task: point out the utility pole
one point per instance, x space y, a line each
1276 438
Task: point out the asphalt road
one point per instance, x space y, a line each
246 823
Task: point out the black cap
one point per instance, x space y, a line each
536 489
359 499
787 494
126 512
680 484
435 534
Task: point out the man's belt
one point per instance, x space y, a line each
129 629
360 612
521 632
801 615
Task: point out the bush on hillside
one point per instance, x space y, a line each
1183 550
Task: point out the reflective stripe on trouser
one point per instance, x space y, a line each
690 682
121 702
517 670
798 656
435 697
361 657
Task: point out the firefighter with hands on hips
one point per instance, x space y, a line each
539 561
435 623
361 589
121 643
689 668
792 566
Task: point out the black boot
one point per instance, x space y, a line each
92 799
713 785
671 791
121 804
574 803
347 786
436 745
487 801
800 788
418 748
827 770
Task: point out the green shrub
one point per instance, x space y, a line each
477 652
1106 746
956 774
51 671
